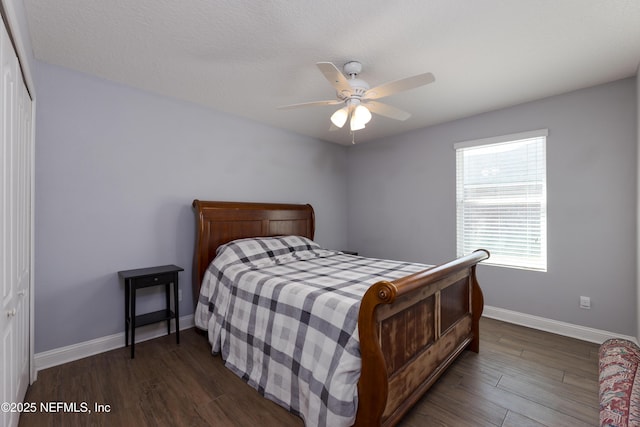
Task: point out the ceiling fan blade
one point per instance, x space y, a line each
334 76
311 104
387 110
396 86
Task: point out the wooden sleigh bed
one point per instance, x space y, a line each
411 329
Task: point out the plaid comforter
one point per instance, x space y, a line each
283 313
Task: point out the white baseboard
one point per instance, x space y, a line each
61 355
549 325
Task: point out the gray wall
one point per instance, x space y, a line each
402 204
117 169
116 172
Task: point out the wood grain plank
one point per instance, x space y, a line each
516 420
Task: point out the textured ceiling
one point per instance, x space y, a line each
246 57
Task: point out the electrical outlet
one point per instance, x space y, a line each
585 302
179 294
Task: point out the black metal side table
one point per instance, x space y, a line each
143 278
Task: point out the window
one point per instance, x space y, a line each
501 196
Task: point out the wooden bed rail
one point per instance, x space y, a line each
410 330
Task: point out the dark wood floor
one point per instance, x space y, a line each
521 377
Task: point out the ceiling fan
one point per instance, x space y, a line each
358 98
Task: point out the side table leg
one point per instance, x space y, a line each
168 305
127 289
133 321
176 303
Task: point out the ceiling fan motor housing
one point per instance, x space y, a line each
358 86
358 89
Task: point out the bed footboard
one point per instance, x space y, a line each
411 330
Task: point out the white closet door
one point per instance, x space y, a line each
15 230
22 224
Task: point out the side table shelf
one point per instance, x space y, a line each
164 275
154 317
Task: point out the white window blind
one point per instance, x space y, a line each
501 192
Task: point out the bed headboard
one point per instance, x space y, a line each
218 223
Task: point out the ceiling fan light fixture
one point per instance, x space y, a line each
360 117
355 124
362 114
339 118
